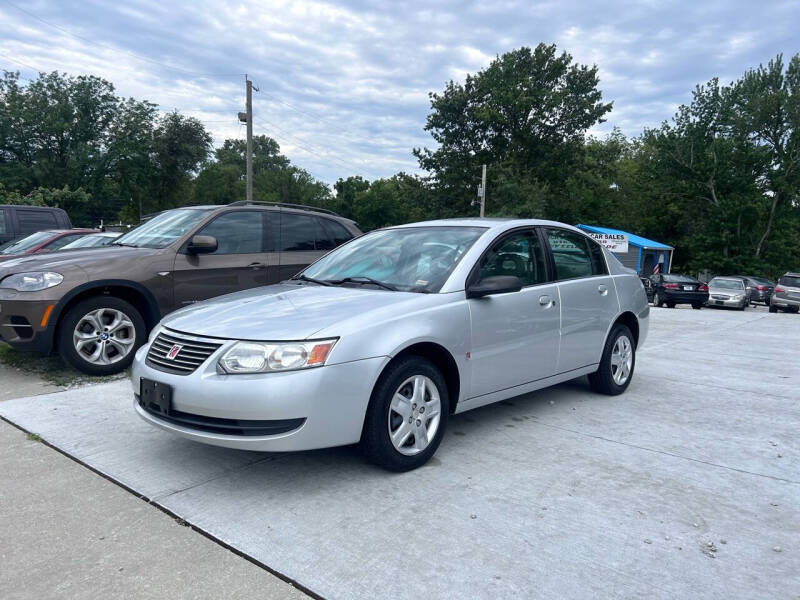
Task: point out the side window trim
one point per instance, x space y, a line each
474 272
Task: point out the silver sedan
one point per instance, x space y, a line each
383 338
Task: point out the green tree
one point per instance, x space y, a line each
525 116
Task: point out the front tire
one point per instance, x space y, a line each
656 300
407 415
100 335
773 309
614 374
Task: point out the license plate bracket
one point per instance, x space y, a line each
156 396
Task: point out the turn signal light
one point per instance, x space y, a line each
778 289
703 288
671 286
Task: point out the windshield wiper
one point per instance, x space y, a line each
125 245
364 281
310 279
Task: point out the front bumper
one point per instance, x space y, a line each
726 302
327 404
22 322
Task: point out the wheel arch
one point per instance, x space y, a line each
134 293
630 320
442 358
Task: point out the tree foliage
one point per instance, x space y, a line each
719 181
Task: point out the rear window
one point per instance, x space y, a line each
790 281
35 220
678 279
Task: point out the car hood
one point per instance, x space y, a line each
52 261
283 311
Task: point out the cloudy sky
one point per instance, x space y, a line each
344 84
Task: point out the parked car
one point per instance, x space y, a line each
649 289
18 221
758 289
727 292
48 240
786 295
93 240
672 289
384 338
95 308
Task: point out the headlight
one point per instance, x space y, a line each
256 357
31 282
739 297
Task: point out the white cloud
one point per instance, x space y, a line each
344 84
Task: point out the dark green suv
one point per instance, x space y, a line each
96 307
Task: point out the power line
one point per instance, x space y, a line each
117 49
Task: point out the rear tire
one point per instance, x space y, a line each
100 335
614 374
697 306
402 407
670 305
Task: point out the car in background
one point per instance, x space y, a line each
380 341
727 292
93 240
96 308
649 289
672 289
758 289
786 295
48 240
18 221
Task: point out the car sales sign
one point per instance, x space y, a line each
616 242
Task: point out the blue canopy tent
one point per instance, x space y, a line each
643 255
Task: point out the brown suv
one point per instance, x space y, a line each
97 307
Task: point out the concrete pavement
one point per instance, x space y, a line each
687 485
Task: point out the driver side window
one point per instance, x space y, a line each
519 254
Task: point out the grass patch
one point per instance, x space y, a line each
51 369
34 437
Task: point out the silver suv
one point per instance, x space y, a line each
786 295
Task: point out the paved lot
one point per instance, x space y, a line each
688 485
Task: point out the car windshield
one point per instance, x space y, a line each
790 280
26 243
163 229
727 284
678 279
410 259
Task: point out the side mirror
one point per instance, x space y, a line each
202 244
499 284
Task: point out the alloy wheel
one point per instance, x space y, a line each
104 336
414 415
621 360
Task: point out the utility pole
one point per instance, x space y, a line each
247 117
482 191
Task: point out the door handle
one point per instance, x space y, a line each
546 301
602 290
257 265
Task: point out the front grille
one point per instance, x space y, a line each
719 297
191 355
239 427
